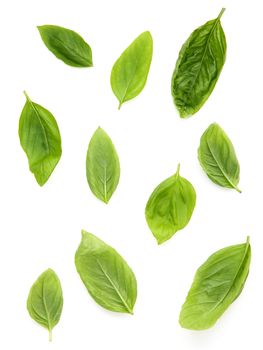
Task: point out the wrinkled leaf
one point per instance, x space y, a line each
218 158
66 45
217 283
170 207
198 67
102 166
106 275
45 300
40 139
129 73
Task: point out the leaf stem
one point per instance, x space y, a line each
248 240
177 171
120 104
221 13
27 97
50 335
238 190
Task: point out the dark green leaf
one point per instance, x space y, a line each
198 67
170 207
217 283
45 300
66 45
102 166
129 73
106 275
40 139
218 158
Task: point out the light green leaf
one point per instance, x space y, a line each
102 166
45 300
40 139
217 283
198 67
218 158
66 45
170 207
129 73
106 275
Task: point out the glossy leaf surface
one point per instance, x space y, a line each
217 283
106 275
218 158
40 139
170 207
198 67
66 45
129 73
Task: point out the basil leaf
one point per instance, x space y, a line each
130 71
170 207
218 158
45 300
217 283
102 166
106 275
66 45
198 67
40 139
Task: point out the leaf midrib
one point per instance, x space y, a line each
129 82
41 124
220 168
45 307
204 53
114 287
69 48
234 280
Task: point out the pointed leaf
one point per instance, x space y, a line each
102 166
129 73
40 139
106 275
217 283
45 300
218 158
66 45
198 67
170 207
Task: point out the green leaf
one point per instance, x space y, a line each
217 283
40 139
198 67
170 207
45 300
106 275
130 71
102 166
66 45
218 158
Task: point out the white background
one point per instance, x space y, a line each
40 227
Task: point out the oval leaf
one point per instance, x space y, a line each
218 158
106 275
45 300
217 283
170 207
198 67
102 166
40 139
66 45
130 71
